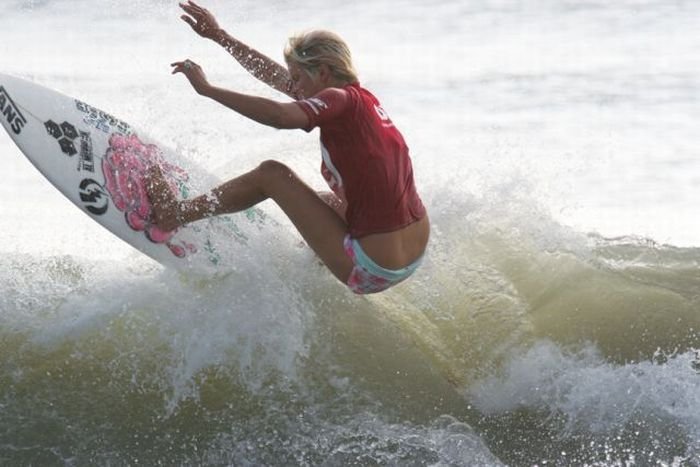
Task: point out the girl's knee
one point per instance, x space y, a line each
273 178
273 168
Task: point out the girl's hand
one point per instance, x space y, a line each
200 19
194 74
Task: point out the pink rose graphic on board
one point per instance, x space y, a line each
125 166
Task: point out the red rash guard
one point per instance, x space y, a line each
365 160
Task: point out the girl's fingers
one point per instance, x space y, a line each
195 6
181 67
192 8
192 12
188 20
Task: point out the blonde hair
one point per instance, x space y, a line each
312 49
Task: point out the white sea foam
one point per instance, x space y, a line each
595 395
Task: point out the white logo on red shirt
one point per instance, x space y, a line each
383 115
316 104
330 173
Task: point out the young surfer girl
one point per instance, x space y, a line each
373 229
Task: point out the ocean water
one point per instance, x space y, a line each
556 320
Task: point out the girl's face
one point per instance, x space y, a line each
304 84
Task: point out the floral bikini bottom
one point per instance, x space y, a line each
367 276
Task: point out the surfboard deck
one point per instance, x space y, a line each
99 162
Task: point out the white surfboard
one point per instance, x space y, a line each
99 162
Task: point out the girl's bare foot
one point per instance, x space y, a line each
164 206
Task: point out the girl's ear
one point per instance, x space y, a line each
324 73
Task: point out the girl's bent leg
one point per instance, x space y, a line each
319 224
332 200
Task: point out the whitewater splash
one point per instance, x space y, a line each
526 333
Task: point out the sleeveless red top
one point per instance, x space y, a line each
365 160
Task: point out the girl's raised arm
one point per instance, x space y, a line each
259 65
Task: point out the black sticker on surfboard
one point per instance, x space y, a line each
86 162
65 134
93 197
10 111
